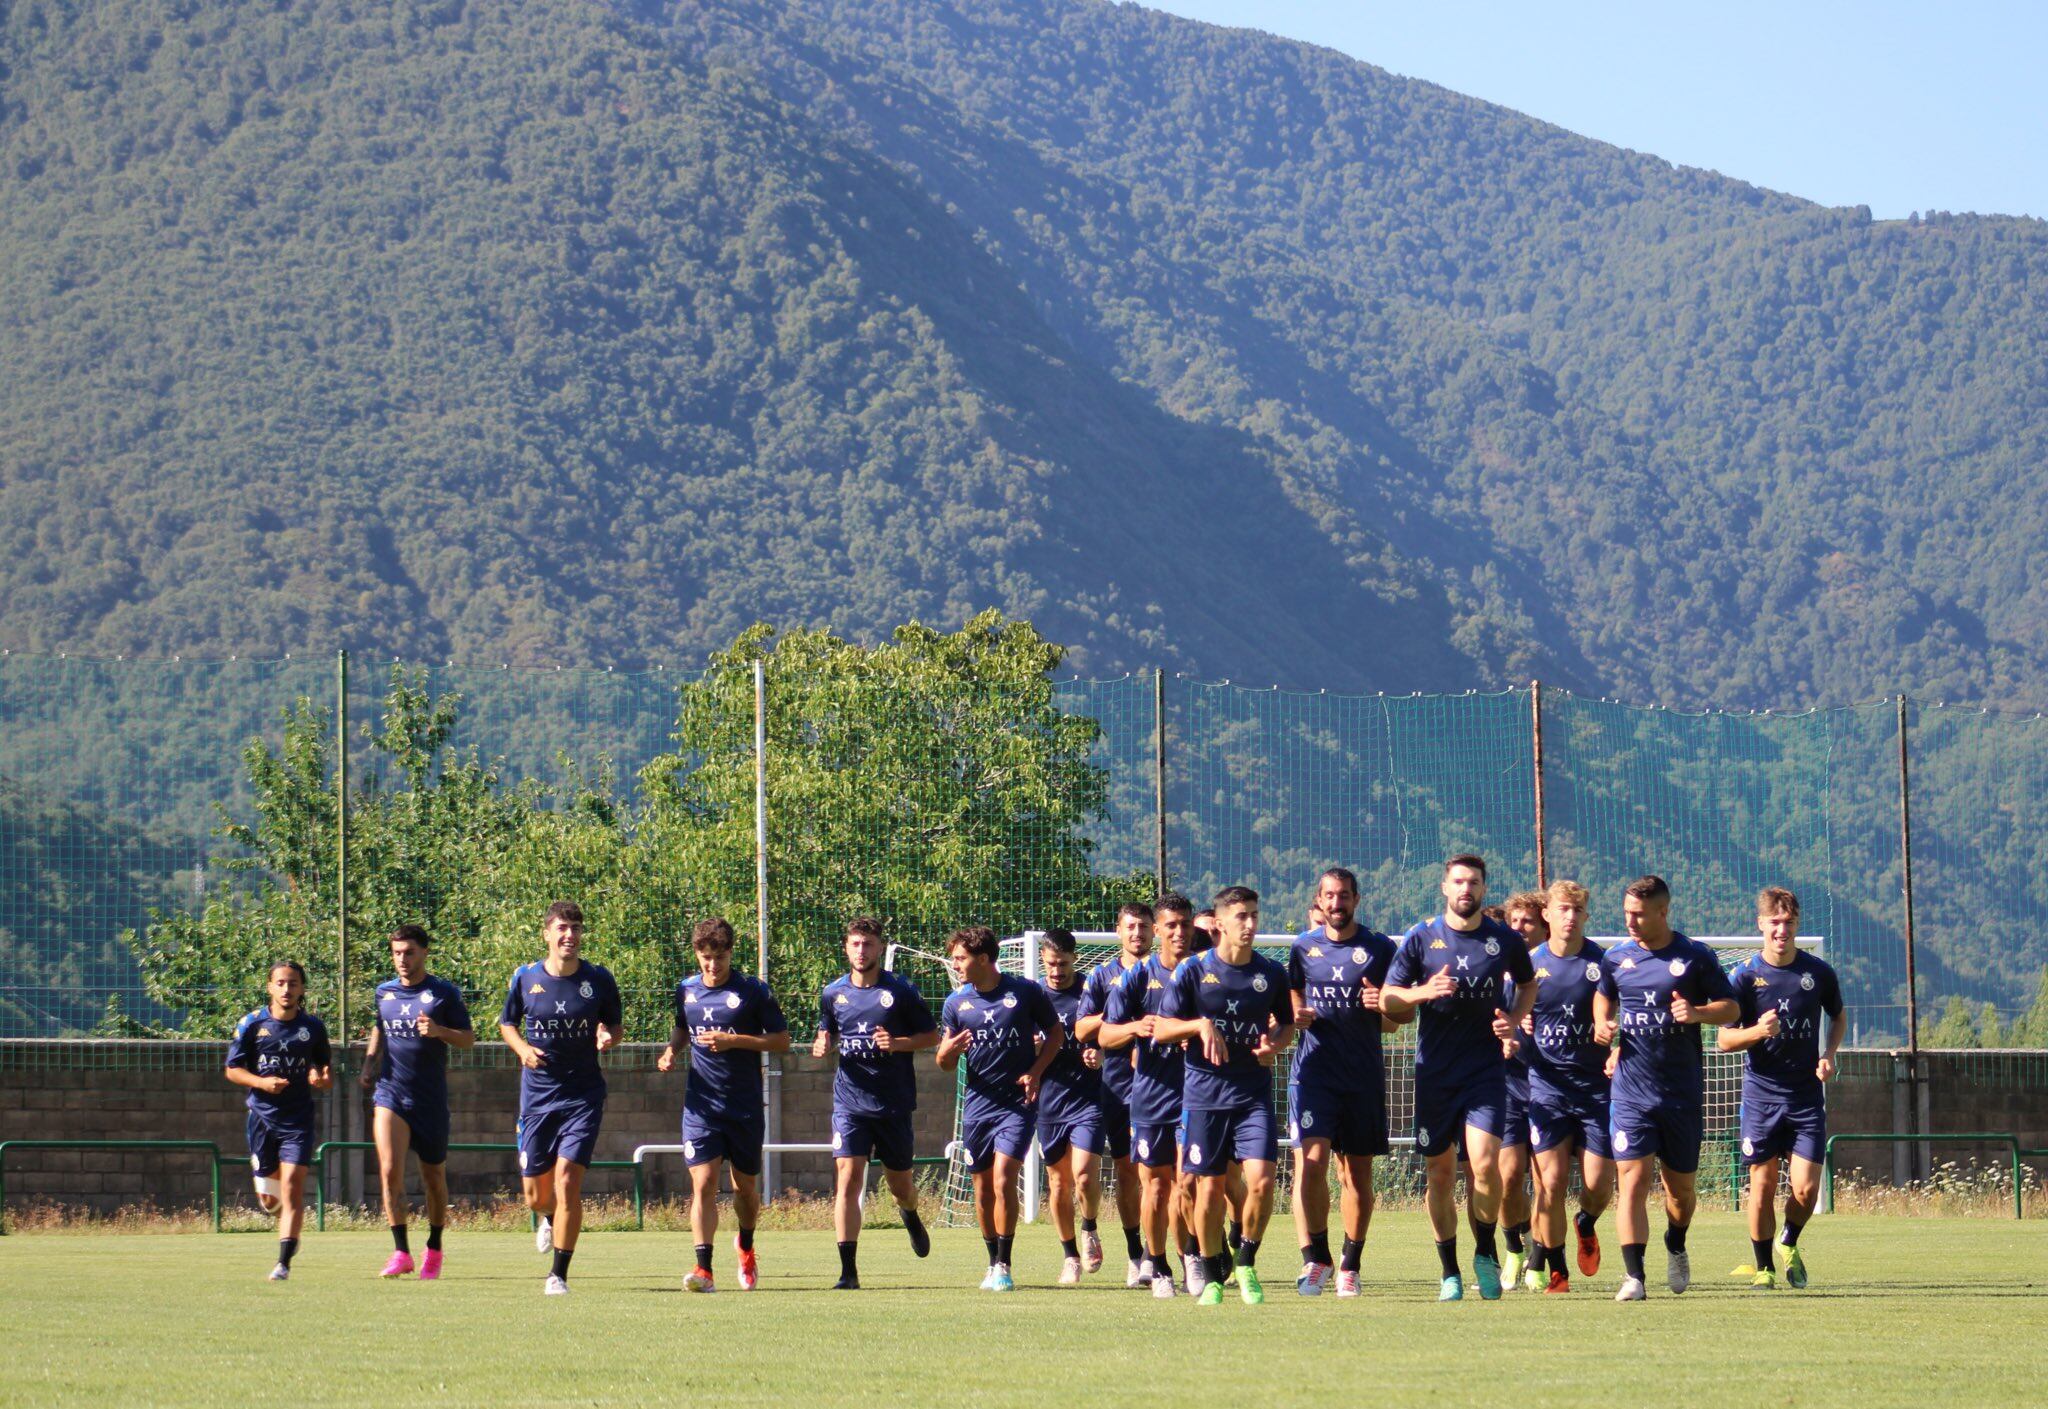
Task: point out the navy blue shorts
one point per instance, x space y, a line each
737 1142
1773 1128
986 1134
1561 1121
428 1125
1354 1122
1156 1146
1081 1132
885 1138
1211 1140
1514 1112
1443 1111
559 1133
1116 1125
1670 1132
273 1142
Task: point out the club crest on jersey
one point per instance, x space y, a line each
1592 973
1009 1000
1258 983
1806 982
586 990
426 1000
888 1000
1677 968
1358 956
1493 946
732 1000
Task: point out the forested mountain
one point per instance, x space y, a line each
579 333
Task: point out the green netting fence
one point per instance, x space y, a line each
129 907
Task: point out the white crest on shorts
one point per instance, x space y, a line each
586 990
1748 1147
1621 1139
1194 1154
1806 982
1677 967
1535 1134
1422 1135
1307 1121
838 1138
523 1159
888 1000
1358 956
1592 973
1144 1149
255 1161
1493 946
1258 983
732 1000
1009 1000
689 1149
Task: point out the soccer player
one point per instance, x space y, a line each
559 1015
1005 1028
1134 943
1655 990
1781 994
1231 1006
1523 914
1070 1135
1568 1088
726 1021
405 1067
281 1054
1453 970
1338 1089
1126 1034
877 1021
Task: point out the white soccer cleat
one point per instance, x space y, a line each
1631 1290
556 1286
1091 1252
1678 1272
1314 1277
1196 1277
1347 1284
1163 1289
544 1236
280 1273
1136 1274
1070 1272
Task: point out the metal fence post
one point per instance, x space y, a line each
771 1089
338 1100
1536 765
1159 775
1914 1153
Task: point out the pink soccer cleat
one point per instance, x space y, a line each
399 1266
430 1265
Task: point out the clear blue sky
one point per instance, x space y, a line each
1897 106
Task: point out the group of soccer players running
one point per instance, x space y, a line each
1534 1045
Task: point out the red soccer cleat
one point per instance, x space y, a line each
1559 1284
1589 1254
750 1270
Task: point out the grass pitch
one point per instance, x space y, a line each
1901 1311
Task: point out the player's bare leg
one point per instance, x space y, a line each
746 1212
1516 1206
703 1223
1312 1215
996 1198
849 1179
434 1179
394 1142
1357 1200
1553 1188
289 1203
1800 1204
1483 1192
1681 1197
1440 1197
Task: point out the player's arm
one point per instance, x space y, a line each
1088 1027
268 1085
1051 1038
1838 1027
1304 1015
373 1056
1605 1028
1749 1027
953 1044
530 1056
1124 1019
678 1038
456 1032
746 1041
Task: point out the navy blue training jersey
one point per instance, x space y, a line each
1238 999
1564 1061
286 1047
1341 1051
1159 1068
726 1085
1102 981
1070 1087
1454 1039
1786 1067
560 1016
1660 1057
1005 1025
415 1072
870 1081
